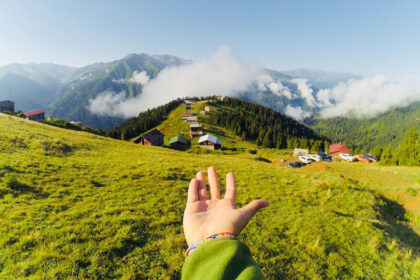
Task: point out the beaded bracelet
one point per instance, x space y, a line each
195 244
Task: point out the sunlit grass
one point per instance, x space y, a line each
76 205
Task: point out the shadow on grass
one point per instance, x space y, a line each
396 223
17 188
394 217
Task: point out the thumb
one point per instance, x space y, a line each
251 208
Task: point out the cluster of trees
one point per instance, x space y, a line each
268 128
407 153
143 122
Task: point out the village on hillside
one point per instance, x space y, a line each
183 140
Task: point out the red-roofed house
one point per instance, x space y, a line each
35 115
336 149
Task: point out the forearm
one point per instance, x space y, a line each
224 258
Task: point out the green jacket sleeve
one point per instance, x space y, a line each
223 258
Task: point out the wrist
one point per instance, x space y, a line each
197 243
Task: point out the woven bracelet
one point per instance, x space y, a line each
195 244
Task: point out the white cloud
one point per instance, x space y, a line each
369 96
107 103
137 77
140 78
296 112
306 92
265 82
220 74
279 89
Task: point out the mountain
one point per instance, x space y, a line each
88 82
387 128
79 206
32 85
319 78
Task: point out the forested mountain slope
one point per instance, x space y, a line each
387 128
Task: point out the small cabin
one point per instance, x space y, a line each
151 138
207 108
179 141
210 142
336 149
300 152
7 106
196 129
35 115
190 119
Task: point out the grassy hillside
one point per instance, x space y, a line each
75 205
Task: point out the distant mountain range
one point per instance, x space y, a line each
65 91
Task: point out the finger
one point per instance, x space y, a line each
192 191
251 208
230 187
214 183
202 190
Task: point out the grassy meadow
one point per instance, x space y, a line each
74 205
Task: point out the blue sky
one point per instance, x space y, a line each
363 37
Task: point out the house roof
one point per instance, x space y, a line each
338 148
153 136
34 112
186 115
210 138
190 118
195 125
178 138
7 102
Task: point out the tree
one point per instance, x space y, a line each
267 140
386 156
377 151
409 150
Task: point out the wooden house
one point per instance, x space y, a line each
7 106
179 141
210 142
192 119
336 149
151 138
35 115
196 129
207 108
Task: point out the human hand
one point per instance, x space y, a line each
205 216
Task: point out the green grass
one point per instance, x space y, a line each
79 206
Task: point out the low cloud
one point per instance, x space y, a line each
137 77
220 74
266 83
223 74
107 103
305 91
369 96
296 112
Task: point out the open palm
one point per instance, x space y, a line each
205 215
